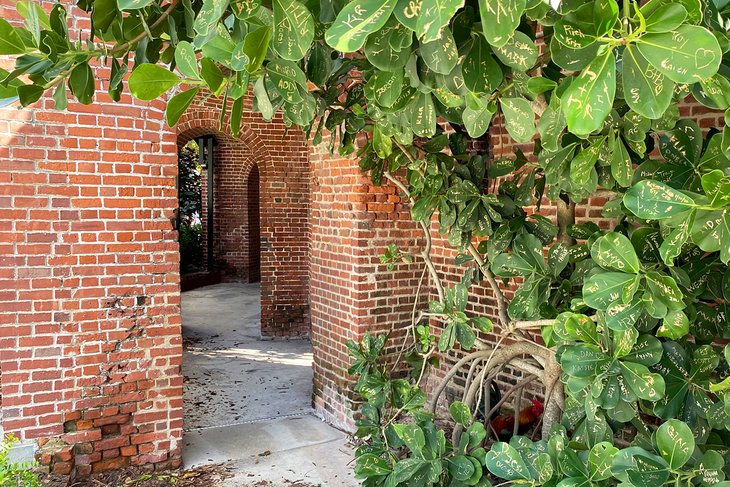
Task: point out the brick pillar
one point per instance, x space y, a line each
351 291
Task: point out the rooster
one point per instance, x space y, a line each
504 426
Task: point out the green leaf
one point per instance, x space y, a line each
461 468
717 188
636 467
476 121
211 74
81 82
603 289
614 251
519 52
423 115
506 463
370 465
255 47
599 460
519 119
150 81
500 18
60 101
605 16
710 231
356 21
293 29
447 338
666 18
209 15
584 360
674 326
647 91
621 166
675 442
105 11
10 41
133 4
460 412
187 62
434 16
643 383
440 55
178 104
589 99
287 78
686 55
412 435
653 200
480 71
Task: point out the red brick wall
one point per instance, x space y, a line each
90 346
282 162
351 291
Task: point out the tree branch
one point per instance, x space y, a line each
426 252
498 295
123 48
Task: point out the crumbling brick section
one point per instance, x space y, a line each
90 332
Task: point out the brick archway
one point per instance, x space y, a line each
281 158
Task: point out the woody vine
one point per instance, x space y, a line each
623 328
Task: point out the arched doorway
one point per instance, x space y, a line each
254 225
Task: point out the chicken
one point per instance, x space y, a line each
504 425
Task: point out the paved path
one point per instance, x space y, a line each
248 401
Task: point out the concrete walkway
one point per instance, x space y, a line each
248 401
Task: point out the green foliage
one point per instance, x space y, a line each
190 207
14 474
633 311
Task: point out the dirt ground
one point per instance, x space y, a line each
203 476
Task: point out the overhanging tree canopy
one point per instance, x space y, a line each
628 319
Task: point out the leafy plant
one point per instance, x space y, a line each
620 324
14 474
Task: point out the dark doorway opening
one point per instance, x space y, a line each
254 226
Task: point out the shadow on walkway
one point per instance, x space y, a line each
248 401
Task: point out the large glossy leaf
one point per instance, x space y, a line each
178 104
255 47
614 251
642 382
476 120
209 15
519 52
711 232
675 442
356 21
10 41
480 71
687 55
603 289
133 4
647 91
654 200
500 18
440 55
434 16
584 360
186 61
639 468
81 81
150 81
519 119
588 100
506 462
293 29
